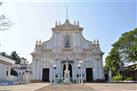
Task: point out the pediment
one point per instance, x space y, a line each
67 26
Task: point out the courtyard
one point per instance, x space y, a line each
72 87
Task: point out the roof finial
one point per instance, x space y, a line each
66 12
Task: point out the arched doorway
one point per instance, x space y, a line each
70 70
89 74
45 75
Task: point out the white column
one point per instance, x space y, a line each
84 72
59 39
9 70
74 40
41 70
74 71
33 70
54 70
37 70
58 69
98 66
95 70
81 74
54 37
51 74
77 73
81 71
61 70
102 69
78 39
98 71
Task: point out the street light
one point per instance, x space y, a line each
55 66
79 75
79 66
80 71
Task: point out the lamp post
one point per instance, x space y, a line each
80 72
55 66
79 75
58 69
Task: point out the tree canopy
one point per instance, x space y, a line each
14 55
128 41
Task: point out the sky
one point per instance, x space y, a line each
103 20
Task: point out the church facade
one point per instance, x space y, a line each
67 45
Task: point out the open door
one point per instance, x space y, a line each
45 75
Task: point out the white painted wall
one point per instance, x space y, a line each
56 44
3 71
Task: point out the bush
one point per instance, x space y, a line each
118 77
129 79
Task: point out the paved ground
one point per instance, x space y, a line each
72 87
23 87
91 87
113 86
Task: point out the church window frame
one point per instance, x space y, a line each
67 41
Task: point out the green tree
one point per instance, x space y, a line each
4 54
113 61
127 40
15 57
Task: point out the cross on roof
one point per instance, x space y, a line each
66 12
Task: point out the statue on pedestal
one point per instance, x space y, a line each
67 74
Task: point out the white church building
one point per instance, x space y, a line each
67 49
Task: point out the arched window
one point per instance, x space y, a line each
67 42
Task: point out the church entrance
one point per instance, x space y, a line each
89 74
45 75
70 70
